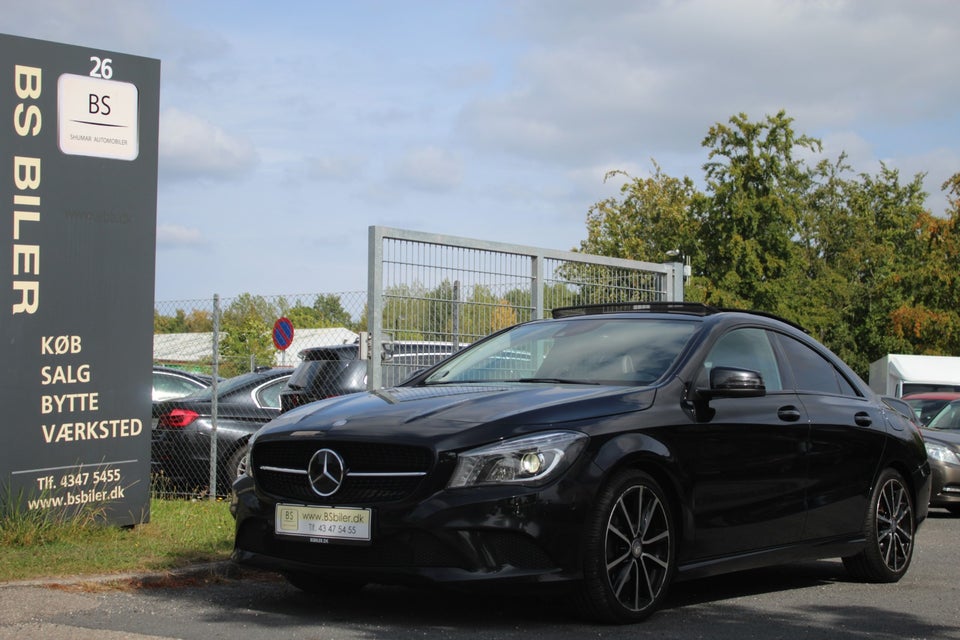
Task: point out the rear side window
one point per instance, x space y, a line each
168 385
268 396
317 373
812 372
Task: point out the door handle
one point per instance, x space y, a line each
789 413
863 419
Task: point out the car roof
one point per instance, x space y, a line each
182 372
306 354
249 379
683 308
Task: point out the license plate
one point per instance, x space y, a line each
323 522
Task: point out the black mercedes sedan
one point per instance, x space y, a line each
607 452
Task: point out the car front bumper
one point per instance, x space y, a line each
468 536
945 485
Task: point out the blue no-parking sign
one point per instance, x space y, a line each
282 333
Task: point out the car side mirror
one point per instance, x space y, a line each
729 382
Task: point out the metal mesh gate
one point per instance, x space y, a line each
446 292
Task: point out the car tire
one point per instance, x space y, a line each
889 529
323 586
629 550
236 465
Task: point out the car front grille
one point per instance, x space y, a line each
375 472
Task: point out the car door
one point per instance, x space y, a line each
745 461
847 436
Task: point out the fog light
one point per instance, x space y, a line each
531 463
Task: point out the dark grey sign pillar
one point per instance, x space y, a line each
78 187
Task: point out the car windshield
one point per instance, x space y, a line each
924 409
596 350
948 419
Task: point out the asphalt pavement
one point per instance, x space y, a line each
814 600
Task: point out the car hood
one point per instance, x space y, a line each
951 436
431 412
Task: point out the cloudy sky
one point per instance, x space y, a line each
288 128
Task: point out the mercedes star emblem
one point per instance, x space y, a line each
326 472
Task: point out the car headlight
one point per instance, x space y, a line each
941 453
531 460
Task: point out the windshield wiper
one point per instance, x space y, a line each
556 380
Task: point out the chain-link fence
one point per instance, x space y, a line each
218 376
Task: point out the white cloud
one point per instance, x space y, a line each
938 165
429 169
494 118
192 147
612 80
175 236
333 168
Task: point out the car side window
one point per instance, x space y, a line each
268 396
813 372
171 386
745 349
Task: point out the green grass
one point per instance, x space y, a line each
180 532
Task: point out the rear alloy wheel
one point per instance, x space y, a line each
629 550
234 467
889 528
238 462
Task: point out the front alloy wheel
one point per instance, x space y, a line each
889 528
630 550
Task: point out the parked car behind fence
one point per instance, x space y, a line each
325 372
169 382
181 440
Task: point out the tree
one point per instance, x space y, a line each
559 294
476 314
928 321
197 321
653 221
751 215
823 290
856 259
404 311
246 334
330 311
303 316
326 311
169 324
503 316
